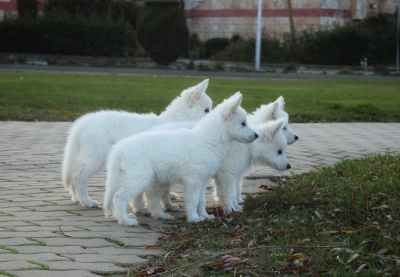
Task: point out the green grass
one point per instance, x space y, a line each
333 221
60 97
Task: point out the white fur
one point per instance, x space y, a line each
269 149
92 135
273 111
228 180
186 156
239 158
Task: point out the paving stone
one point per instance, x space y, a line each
76 242
31 190
92 267
31 257
47 273
17 241
16 265
140 251
53 249
95 258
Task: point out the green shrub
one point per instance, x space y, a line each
125 10
162 31
85 8
195 47
27 8
213 46
340 45
382 32
60 34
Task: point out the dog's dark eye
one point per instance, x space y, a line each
243 123
280 152
207 110
284 128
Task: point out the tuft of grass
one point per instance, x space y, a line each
65 97
114 241
41 243
335 221
7 274
12 251
44 267
30 222
83 228
74 213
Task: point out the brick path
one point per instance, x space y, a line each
42 233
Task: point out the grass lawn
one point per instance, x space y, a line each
335 221
61 97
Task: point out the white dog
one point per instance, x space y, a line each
273 111
228 180
186 156
268 149
92 135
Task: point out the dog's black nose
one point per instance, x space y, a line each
256 135
288 166
296 137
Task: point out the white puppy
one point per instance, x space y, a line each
186 156
92 135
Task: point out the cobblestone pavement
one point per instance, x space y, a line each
42 233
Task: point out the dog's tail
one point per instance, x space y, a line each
71 153
112 185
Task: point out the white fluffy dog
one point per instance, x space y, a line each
186 156
92 135
268 149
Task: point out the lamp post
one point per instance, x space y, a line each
258 36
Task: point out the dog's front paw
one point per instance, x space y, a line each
128 222
173 195
166 216
132 216
91 204
194 219
209 216
173 208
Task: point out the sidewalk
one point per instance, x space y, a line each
42 233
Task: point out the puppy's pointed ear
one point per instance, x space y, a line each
192 94
235 102
232 103
278 125
272 112
281 102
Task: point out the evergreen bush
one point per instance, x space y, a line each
162 30
125 10
60 34
213 46
85 8
27 8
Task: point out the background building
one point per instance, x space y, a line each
216 18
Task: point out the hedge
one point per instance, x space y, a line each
65 36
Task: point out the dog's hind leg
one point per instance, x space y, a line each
153 200
137 205
86 169
132 187
166 200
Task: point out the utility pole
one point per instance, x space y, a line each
258 36
292 30
398 37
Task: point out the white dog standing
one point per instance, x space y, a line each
189 157
268 149
92 135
